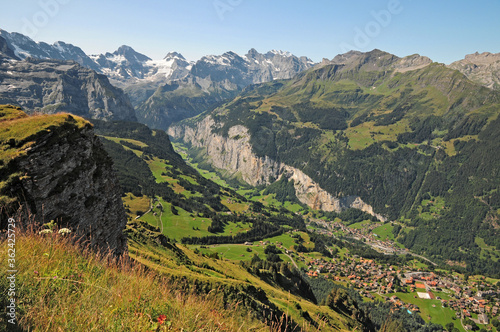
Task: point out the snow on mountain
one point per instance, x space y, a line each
24 47
281 53
126 66
173 66
172 88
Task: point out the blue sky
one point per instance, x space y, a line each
443 30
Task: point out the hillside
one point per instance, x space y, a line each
65 288
194 236
391 131
169 201
235 239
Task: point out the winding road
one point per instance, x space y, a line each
295 264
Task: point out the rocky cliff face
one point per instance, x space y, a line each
482 68
377 59
24 47
51 86
5 52
234 154
66 176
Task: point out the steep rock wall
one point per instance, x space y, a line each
51 86
69 178
234 154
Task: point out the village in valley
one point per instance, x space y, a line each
416 285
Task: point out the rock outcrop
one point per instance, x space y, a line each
64 174
234 154
482 68
51 86
377 59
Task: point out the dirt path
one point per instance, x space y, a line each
296 266
161 221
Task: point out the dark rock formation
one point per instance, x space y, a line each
66 176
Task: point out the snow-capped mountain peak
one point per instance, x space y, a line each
24 47
126 66
130 54
174 55
281 53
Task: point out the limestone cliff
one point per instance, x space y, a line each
482 68
52 86
234 154
58 170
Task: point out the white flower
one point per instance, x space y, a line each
64 231
45 231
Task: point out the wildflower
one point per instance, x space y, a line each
36 272
64 231
45 231
161 319
51 225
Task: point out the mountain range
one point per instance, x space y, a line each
401 121
160 89
171 89
372 131
51 86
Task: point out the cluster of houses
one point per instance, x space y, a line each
364 234
467 298
363 274
476 300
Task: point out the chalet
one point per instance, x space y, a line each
420 286
483 319
494 310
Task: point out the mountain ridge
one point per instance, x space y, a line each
24 47
364 127
483 68
210 79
